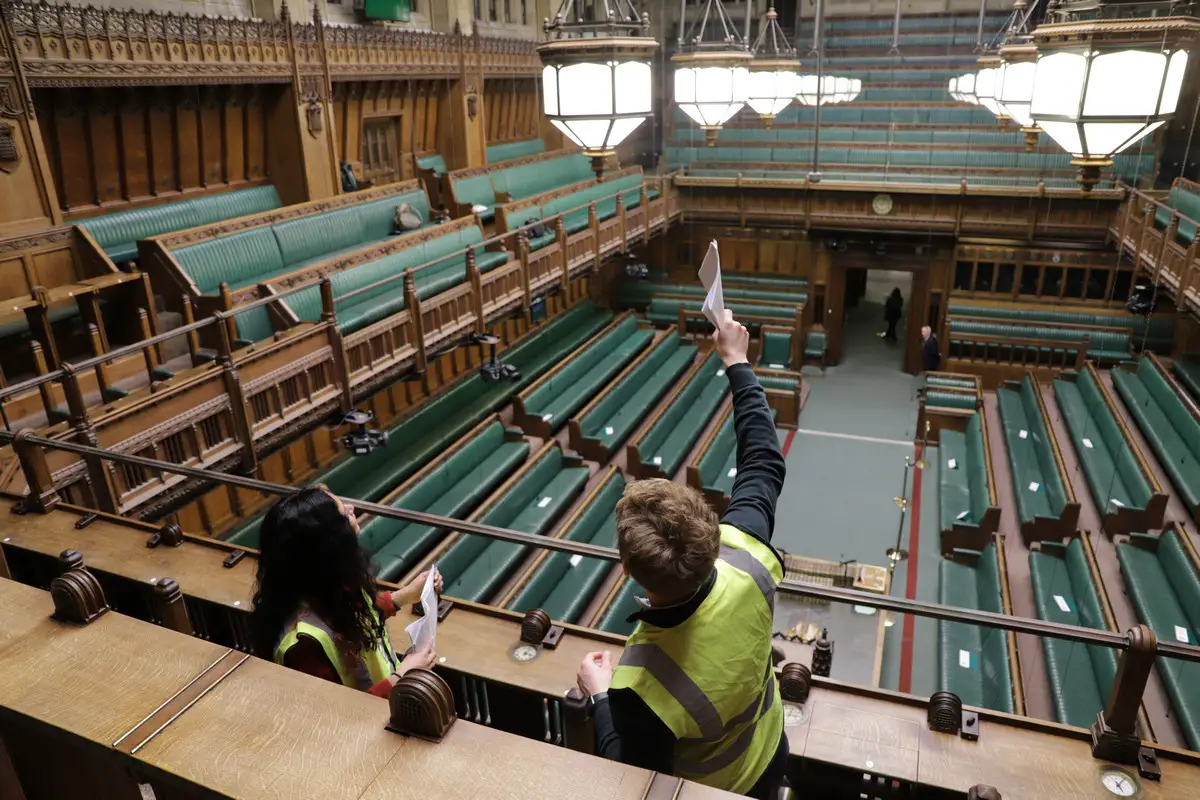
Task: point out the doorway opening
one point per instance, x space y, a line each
870 337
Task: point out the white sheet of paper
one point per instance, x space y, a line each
710 275
721 373
608 430
1087 443
1024 434
1034 486
1181 634
545 501
952 463
657 461
962 515
1117 503
575 559
732 472
1062 603
964 659
425 629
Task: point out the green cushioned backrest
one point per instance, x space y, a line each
525 490
434 162
1055 490
312 236
378 218
509 150
997 678
1087 599
815 340
678 409
1122 455
624 604
714 458
957 383
235 259
230 205
948 399
122 227
1185 582
627 387
959 673
1181 419
977 477
776 348
306 304
475 190
574 370
254 325
523 216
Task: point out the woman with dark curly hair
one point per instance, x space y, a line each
315 607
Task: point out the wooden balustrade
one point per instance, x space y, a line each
1158 252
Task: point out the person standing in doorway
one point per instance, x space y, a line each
893 309
931 354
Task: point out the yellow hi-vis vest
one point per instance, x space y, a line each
372 665
710 680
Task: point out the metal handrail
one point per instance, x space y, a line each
222 315
828 593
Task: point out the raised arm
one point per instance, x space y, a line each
760 465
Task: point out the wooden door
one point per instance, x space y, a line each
918 315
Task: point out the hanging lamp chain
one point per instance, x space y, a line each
724 33
596 18
771 41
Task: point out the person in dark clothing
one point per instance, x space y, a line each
695 694
931 354
893 309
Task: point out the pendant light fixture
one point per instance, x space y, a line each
1017 72
597 81
987 83
1103 84
712 68
774 78
962 88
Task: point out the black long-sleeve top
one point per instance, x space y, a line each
626 729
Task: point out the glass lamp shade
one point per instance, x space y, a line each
1097 103
965 88
712 92
771 90
832 90
597 91
985 90
1015 93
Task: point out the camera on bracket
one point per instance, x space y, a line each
636 269
362 441
494 371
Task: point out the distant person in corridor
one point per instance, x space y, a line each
931 355
694 694
316 608
893 309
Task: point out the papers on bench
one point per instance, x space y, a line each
952 463
1087 443
1117 503
1181 634
732 472
962 515
1062 603
575 559
545 501
1024 434
1034 486
710 275
964 659
425 629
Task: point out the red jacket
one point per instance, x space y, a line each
307 656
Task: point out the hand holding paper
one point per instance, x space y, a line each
424 631
710 276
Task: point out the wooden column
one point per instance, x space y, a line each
99 471
42 495
463 129
414 311
476 291
341 364
170 607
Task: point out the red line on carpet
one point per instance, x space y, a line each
787 443
910 588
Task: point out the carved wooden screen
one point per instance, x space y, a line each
380 158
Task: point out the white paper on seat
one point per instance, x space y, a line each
1117 503
721 372
608 430
657 461
1024 434
425 629
710 275
575 559
732 472
546 417
1181 634
545 501
1087 443
1062 603
1034 486
964 659
952 463
962 515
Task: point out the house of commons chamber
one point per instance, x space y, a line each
356 355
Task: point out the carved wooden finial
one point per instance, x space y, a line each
167 590
421 705
69 560
535 626
822 657
77 596
794 682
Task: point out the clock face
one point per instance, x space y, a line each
793 715
882 204
1119 782
524 652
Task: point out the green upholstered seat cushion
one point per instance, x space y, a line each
615 619
239 259
419 437
1097 452
814 344
942 381
954 491
1187 372
1029 484
434 162
663 309
1158 331
677 429
776 350
944 398
475 190
973 660
1153 594
509 150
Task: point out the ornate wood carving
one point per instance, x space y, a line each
76 593
421 705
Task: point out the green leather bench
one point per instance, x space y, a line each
258 254
675 432
736 279
973 660
474 567
118 233
509 150
1113 474
1187 204
569 389
778 383
565 583
718 467
1159 332
1173 434
1165 589
1102 345
434 163
1037 482
450 414
574 209
815 345
1080 675
776 350
624 405
624 604
640 293
666 309
941 398
943 382
963 492
383 301
453 489
519 182
1187 372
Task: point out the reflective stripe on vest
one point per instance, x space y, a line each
710 679
372 665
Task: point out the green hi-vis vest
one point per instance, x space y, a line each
373 664
710 679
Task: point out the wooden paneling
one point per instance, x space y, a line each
110 147
413 107
512 109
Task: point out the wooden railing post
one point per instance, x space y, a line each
101 367
476 290
40 369
647 217
1168 237
414 311
797 349
150 353
624 226
1189 271
38 318
243 421
227 305
1114 734
526 281
171 609
1129 199
42 495
193 337
681 320
341 362
100 478
560 232
594 224
1147 226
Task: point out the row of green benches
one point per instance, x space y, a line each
1167 424
483 190
661 449
877 136
714 472
437 424
1158 332
955 157
1106 346
638 294
964 492
574 206
1187 203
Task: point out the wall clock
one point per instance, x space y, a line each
881 204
